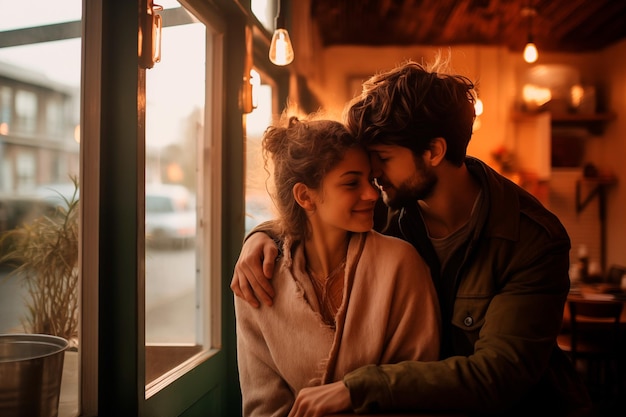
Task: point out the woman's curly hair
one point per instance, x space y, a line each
303 151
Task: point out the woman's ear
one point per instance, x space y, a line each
438 148
303 196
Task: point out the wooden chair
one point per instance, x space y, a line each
593 344
615 273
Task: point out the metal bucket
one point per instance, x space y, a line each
31 369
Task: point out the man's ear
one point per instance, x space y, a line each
438 148
303 196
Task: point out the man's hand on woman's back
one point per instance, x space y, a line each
254 269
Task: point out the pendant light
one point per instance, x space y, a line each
478 104
281 51
530 51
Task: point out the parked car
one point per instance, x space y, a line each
170 216
16 210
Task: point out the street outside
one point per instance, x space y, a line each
170 297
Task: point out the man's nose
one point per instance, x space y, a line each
376 167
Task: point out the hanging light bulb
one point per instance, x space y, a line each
530 52
478 107
281 50
478 103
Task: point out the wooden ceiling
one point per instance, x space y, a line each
557 25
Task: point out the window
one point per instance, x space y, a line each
25 163
259 206
39 84
25 112
181 263
184 112
56 123
6 109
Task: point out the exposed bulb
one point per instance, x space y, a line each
478 107
281 51
530 53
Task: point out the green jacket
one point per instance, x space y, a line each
502 297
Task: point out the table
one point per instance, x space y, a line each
597 291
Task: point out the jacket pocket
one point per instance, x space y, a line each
469 315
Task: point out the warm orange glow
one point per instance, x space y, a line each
530 53
281 51
174 173
477 125
255 81
536 96
577 94
4 128
478 107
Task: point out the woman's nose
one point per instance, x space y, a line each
370 193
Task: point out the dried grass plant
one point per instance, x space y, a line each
44 253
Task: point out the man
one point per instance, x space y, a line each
498 258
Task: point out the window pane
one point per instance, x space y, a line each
25 112
258 203
175 96
39 156
29 13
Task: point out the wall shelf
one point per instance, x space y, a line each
568 117
593 122
583 118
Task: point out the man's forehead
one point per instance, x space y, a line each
380 148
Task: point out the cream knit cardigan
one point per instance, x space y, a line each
389 313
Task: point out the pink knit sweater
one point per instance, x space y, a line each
389 314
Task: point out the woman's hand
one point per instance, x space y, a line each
321 401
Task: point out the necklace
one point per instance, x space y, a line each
329 292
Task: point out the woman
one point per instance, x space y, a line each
346 296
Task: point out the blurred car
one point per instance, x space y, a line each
19 208
170 216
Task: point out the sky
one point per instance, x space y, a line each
43 57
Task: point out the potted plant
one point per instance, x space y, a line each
44 255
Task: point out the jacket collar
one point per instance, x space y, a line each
497 215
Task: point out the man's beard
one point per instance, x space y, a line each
418 187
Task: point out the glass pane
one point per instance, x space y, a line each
175 97
39 159
258 203
29 13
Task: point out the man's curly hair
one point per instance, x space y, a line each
413 104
